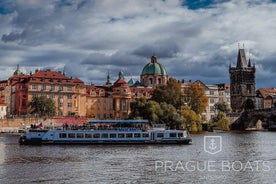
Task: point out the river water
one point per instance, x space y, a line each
241 158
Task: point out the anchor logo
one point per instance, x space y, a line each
212 144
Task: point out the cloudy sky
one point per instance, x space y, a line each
194 40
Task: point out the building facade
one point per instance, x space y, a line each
242 84
67 93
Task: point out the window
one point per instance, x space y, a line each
69 88
112 135
52 88
52 96
69 104
71 135
212 100
160 135
212 92
159 80
137 135
104 135
63 135
69 96
34 86
145 135
150 80
60 88
129 135
79 135
212 108
180 134
121 135
172 134
60 96
88 135
60 104
43 87
96 135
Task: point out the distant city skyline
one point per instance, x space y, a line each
193 40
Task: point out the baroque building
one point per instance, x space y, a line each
67 93
242 84
154 74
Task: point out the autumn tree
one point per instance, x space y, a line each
195 98
191 119
170 93
42 106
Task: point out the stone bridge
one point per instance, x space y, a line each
255 120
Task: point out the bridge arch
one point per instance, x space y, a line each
249 105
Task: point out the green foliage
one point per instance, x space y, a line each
170 93
189 115
195 98
144 109
42 106
171 117
221 121
222 107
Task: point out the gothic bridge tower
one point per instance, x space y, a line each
242 84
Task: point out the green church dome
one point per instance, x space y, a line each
154 68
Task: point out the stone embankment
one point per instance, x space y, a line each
12 125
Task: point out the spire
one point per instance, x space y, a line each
121 75
241 59
17 71
249 62
64 72
108 79
153 59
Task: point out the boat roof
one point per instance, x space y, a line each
119 121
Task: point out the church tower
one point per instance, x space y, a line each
242 84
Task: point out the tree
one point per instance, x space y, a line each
170 93
145 109
42 106
195 98
222 107
221 121
171 117
191 119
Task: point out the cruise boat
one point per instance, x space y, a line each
107 132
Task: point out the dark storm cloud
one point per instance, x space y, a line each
164 49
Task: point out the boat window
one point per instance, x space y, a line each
112 135
96 135
62 135
121 135
88 135
145 135
180 134
79 135
104 135
137 135
71 135
160 135
172 134
129 135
